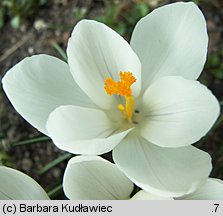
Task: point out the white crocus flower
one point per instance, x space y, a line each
91 177
94 178
141 99
15 185
211 189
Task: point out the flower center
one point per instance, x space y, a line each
122 88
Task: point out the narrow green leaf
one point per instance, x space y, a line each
218 122
197 2
54 163
1 18
31 141
120 28
55 191
57 47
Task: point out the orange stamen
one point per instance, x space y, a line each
111 86
122 88
127 77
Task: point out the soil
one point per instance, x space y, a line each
55 22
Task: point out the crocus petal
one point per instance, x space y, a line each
96 52
38 84
93 178
172 40
212 189
15 185
83 130
165 172
143 195
178 112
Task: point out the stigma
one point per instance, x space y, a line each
122 88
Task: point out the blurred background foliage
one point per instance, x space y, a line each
18 10
30 27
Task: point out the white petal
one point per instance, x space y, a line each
143 195
96 52
172 40
93 178
212 189
164 172
16 185
38 84
178 112
83 131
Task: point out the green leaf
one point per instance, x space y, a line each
197 2
1 18
120 28
31 141
218 122
57 47
54 163
55 191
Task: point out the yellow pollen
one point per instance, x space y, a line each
110 86
121 107
122 88
127 77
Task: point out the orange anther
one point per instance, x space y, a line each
127 77
111 87
122 87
